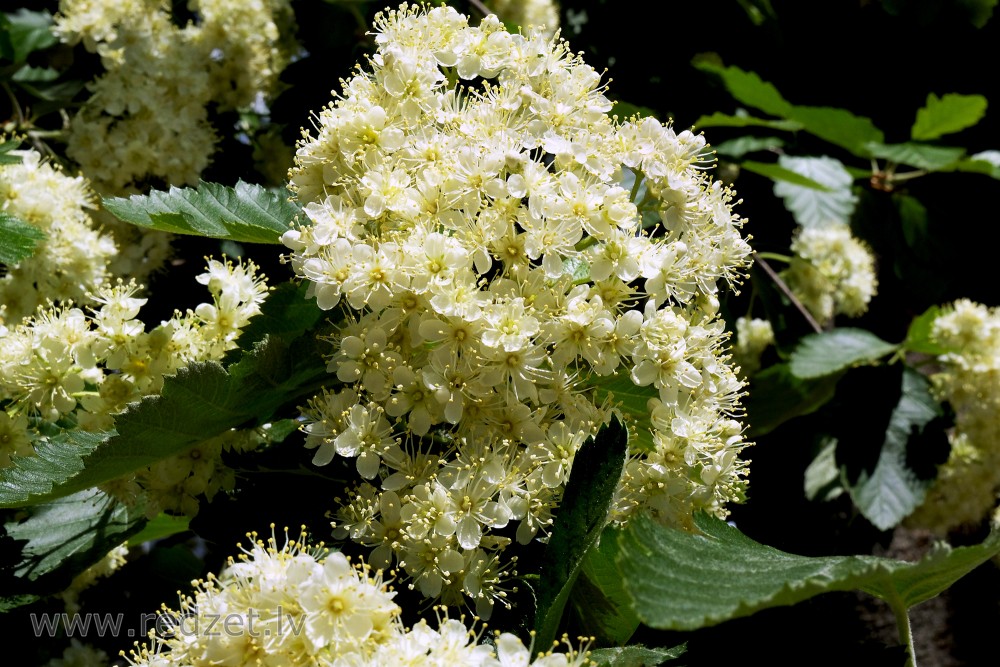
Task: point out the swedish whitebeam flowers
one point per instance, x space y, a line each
500 247
966 489
301 604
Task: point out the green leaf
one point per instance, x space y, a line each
776 396
893 490
737 148
73 532
748 88
28 32
913 220
286 312
776 172
633 402
838 126
918 336
246 214
979 11
29 73
828 352
922 156
811 207
822 477
199 402
681 581
583 514
725 120
635 656
985 162
18 239
160 527
947 114
598 602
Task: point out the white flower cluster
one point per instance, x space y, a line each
500 247
78 654
753 336
63 362
302 605
105 567
147 117
967 486
537 13
72 261
832 272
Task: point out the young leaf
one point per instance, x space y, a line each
776 173
18 239
947 114
811 207
73 532
680 581
893 490
582 515
246 214
635 656
749 89
828 352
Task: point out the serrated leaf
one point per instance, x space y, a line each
286 312
73 532
633 401
811 207
822 476
582 515
681 581
18 239
748 88
829 352
947 114
635 656
892 491
777 173
922 156
838 126
28 32
718 119
918 336
29 74
199 402
598 601
160 527
776 396
246 214
737 148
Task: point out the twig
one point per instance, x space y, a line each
783 286
480 7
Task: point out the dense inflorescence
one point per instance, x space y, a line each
966 489
832 272
303 605
499 246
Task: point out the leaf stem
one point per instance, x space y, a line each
775 256
480 7
783 286
903 626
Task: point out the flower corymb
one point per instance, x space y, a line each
501 247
